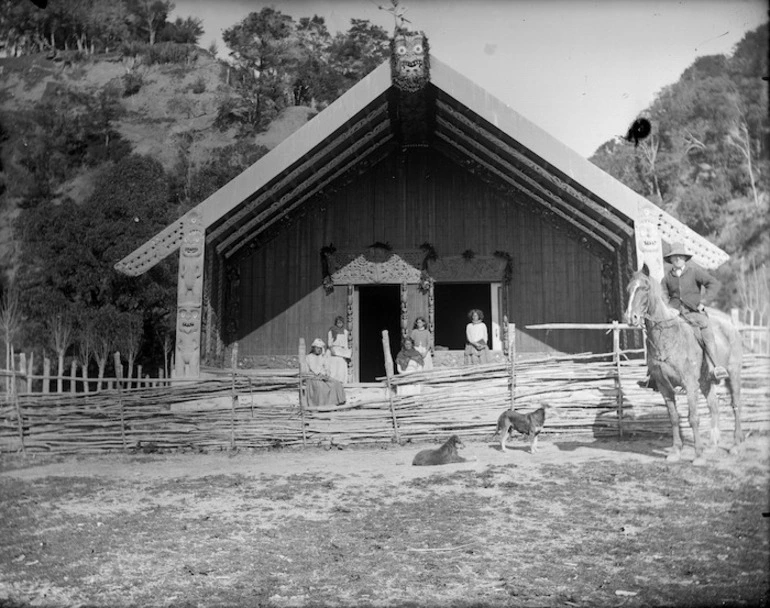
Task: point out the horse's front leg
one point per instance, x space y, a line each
692 407
676 452
734 386
712 400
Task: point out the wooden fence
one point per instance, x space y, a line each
21 373
589 394
754 329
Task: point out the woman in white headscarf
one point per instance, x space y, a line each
322 389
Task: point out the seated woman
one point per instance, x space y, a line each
476 339
322 389
339 350
409 359
423 341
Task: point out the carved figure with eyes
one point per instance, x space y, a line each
409 61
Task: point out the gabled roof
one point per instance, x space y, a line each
465 123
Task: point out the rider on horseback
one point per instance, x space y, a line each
682 285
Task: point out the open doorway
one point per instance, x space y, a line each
453 301
379 308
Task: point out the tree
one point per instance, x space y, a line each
129 339
149 16
182 31
11 318
263 51
68 250
359 50
708 154
61 330
106 320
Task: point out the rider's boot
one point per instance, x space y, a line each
648 382
710 350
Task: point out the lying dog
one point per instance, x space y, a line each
529 424
446 454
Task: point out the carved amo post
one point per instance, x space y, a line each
189 298
404 294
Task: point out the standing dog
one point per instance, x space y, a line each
446 454
529 424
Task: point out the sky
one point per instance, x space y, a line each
582 70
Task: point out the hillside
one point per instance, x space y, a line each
171 116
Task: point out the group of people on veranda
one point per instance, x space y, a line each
328 367
687 288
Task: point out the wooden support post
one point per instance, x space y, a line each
119 383
233 402
233 394
302 355
616 361
512 357
388 375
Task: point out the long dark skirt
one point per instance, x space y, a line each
325 391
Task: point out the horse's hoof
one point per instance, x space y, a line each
699 461
736 450
674 457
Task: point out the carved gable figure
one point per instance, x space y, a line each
410 67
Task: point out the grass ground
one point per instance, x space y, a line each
602 523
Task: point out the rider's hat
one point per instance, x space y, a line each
677 249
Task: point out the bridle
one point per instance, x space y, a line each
635 318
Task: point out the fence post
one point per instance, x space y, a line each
512 356
618 384
388 375
119 383
302 384
234 398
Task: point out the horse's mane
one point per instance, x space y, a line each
657 307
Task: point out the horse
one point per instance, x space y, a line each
675 359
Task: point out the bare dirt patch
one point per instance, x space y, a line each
582 523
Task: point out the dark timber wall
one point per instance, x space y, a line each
408 199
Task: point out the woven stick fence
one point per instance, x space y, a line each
582 391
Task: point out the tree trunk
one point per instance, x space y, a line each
60 373
102 361
130 371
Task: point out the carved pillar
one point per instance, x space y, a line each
189 299
349 326
404 311
649 248
209 317
432 311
